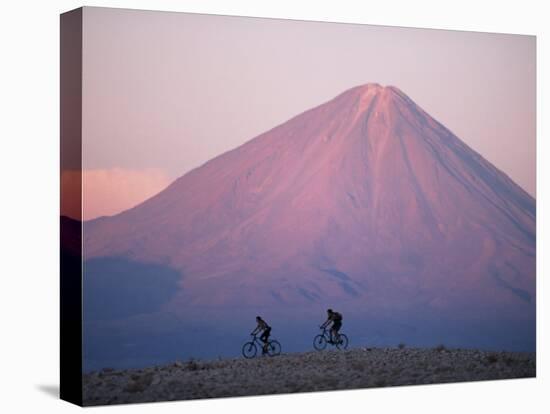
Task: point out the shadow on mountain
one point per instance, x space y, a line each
117 288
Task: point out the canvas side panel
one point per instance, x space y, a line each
71 206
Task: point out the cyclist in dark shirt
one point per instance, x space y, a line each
262 326
336 319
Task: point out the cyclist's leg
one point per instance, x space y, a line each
263 338
336 327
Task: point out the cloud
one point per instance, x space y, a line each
71 191
111 191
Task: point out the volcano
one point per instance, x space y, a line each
365 203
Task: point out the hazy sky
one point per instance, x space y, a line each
165 92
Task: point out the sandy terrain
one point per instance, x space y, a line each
303 372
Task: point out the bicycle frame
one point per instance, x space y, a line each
320 341
272 347
258 341
326 334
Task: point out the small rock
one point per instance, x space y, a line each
156 380
139 383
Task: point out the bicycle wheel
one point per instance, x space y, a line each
249 350
273 348
342 342
319 342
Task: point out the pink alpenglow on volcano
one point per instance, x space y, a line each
364 202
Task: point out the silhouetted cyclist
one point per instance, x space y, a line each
336 319
262 326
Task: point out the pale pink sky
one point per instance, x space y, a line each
165 92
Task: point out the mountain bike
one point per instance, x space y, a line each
250 349
320 341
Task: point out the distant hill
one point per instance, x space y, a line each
71 235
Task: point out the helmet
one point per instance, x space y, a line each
329 310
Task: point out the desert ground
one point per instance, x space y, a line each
303 372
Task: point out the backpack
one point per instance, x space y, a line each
337 317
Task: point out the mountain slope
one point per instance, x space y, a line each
364 202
